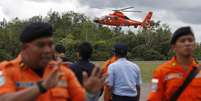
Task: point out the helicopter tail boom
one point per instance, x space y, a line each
147 20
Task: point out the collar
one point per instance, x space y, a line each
174 62
122 59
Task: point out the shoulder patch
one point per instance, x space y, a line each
2 79
6 64
154 84
1 73
2 64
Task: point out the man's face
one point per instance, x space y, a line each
185 45
40 51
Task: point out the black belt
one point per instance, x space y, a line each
123 98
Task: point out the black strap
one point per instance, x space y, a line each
187 81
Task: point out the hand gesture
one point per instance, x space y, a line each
95 82
54 77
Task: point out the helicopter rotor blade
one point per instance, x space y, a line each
125 8
133 11
115 10
122 9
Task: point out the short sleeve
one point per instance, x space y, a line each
139 77
157 87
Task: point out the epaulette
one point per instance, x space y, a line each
5 64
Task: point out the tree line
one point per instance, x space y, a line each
72 28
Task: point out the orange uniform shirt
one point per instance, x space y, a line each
107 63
18 77
168 77
107 96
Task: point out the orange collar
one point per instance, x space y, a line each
174 62
179 67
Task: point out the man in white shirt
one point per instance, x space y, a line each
124 76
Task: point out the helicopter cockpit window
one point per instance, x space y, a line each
104 17
126 17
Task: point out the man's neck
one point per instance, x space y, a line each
184 61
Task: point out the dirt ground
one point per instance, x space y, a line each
144 92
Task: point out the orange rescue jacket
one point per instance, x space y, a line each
168 77
18 77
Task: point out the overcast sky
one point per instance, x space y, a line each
175 13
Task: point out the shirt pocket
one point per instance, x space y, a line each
173 82
59 94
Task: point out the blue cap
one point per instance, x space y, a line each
120 49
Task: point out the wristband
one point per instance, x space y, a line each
41 88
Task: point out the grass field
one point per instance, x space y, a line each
147 68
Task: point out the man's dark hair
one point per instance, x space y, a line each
85 50
120 50
186 30
60 48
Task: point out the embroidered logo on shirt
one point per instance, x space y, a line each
154 85
24 84
173 75
2 79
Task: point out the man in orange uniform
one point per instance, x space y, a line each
34 75
107 96
169 76
107 63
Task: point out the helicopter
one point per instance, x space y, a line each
118 19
